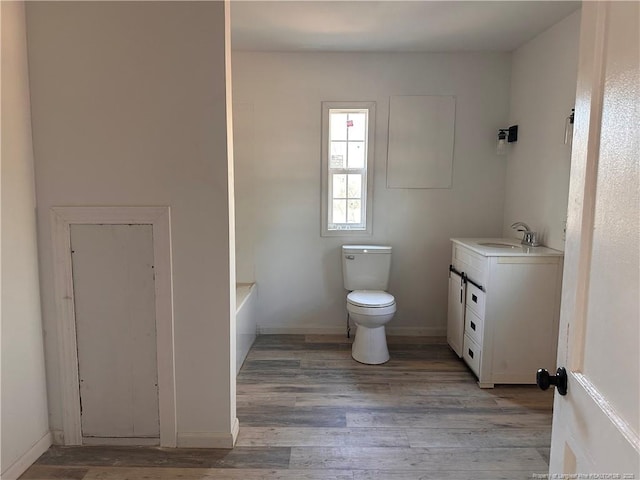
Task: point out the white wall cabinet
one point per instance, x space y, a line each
510 312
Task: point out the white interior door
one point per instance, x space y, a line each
114 297
596 425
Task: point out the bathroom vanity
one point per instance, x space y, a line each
504 307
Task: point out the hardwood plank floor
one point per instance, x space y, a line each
308 411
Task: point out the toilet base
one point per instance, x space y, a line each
370 345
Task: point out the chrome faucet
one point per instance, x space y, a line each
529 237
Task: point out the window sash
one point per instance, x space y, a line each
333 225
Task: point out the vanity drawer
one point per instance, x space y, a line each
475 300
471 353
473 326
471 263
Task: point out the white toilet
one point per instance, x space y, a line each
365 270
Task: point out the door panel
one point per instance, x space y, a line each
596 425
612 297
115 321
455 320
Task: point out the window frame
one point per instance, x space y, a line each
367 171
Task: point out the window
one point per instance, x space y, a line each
347 155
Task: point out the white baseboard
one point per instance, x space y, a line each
18 467
121 441
185 440
300 330
403 331
209 439
418 331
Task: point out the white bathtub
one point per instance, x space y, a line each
245 320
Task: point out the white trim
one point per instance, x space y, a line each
209 439
301 330
235 430
418 331
27 459
57 437
393 331
159 218
121 441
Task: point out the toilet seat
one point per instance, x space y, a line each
371 311
370 299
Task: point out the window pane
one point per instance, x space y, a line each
355 152
339 211
354 212
338 155
340 186
355 185
359 126
338 126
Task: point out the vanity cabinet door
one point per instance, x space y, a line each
455 320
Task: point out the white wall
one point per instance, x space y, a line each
299 274
543 89
129 109
25 426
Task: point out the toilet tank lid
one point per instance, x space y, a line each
366 249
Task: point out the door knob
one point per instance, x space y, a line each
544 380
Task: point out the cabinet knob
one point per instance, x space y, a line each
544 380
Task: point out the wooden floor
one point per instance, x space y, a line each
308 411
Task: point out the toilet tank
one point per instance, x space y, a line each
366 267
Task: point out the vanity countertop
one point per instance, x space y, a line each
505 247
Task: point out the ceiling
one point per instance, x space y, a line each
391 26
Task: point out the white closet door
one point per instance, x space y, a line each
114 297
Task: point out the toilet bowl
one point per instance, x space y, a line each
370 310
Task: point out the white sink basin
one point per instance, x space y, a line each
504 247
498 245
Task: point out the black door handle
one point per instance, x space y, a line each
544 380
